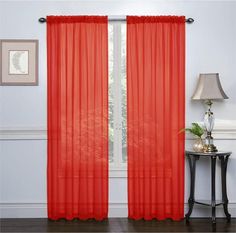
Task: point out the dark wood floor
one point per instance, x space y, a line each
115 225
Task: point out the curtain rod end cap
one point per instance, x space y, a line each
189 20
42 20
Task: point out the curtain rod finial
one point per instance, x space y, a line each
189 20
42 20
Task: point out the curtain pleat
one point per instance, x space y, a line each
77 174
155 115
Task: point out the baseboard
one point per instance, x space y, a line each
39 210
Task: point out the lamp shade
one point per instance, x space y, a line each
209 88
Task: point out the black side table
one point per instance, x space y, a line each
223 157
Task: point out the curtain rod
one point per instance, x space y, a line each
116 19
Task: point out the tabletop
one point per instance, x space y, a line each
218 153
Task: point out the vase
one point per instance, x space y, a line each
198 145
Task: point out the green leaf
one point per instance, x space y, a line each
196 130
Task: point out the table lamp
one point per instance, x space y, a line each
209 88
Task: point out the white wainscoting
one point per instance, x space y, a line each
11 209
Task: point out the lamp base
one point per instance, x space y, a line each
209 124
209 148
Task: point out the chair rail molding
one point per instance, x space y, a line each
23 133
223 130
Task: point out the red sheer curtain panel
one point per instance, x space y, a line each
77 175
156 113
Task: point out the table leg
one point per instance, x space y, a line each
213 187
192 165
224 161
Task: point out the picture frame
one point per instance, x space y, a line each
18 62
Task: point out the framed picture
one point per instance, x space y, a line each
19 62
